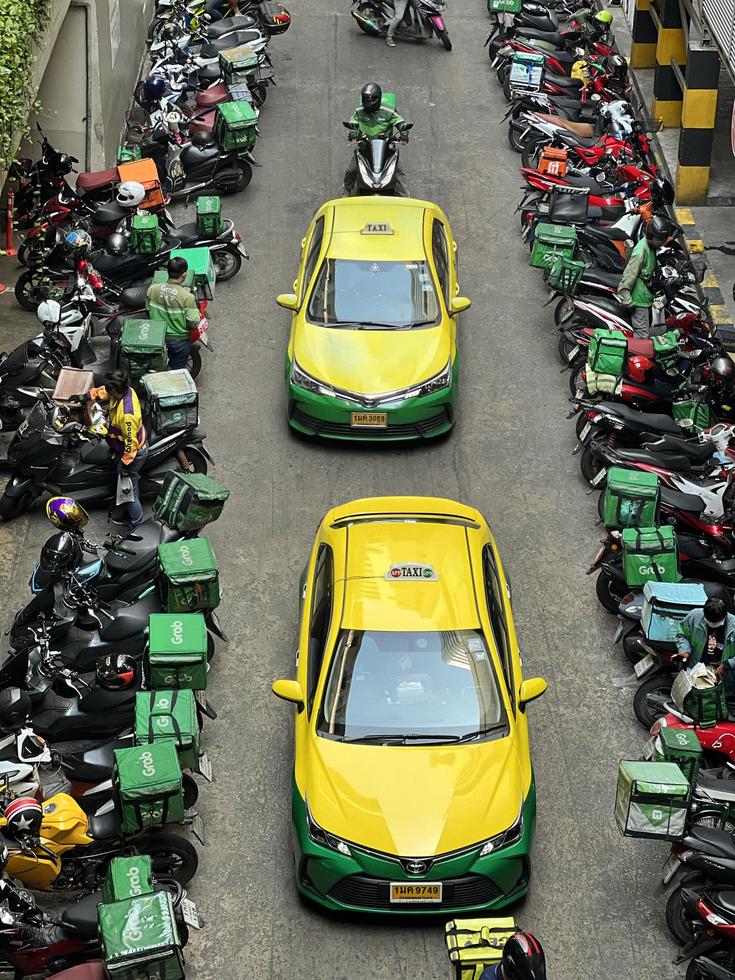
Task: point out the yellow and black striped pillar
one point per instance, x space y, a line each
671 45
643 48
697 125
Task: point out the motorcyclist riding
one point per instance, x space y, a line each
523 959
373 120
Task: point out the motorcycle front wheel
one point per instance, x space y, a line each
171 857
604 591
532 151
590 465
647 713
227 263
445 39
27 292
12 507
677 920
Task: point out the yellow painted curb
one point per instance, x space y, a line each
695 245
684 216
720 314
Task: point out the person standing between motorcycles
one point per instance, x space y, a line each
173 303
400 7
125 434
523 959
707 636
634 283
373 119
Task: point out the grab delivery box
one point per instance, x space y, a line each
140 939
475 944
652 800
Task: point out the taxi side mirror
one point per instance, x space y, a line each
531 689
290 691
289 301
458 304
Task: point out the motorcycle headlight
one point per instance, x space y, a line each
364 171
320 836
301 379
390 171
510 836
437 383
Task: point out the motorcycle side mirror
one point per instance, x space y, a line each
348 125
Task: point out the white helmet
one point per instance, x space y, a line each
130 194
49 312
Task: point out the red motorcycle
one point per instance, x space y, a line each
717 741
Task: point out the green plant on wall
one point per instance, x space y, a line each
22 26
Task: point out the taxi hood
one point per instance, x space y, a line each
371 362
414 801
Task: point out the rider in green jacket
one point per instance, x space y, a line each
373 119
633 289
708 636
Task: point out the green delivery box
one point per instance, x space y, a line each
148 785
143 347
177 651
189 501
171 399
128 877
680 746
631 499
652 800
650 554
169 715
140 940
552 241
189 579
235 126
145 235
201 265
209 216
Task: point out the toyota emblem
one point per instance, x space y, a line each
416 867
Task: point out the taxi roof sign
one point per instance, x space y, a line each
409 572
377 228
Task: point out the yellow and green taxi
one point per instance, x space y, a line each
413 790
373 346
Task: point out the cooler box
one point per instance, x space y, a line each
563 274
605 361
526 72
680 746
475 944
237 63
235 126
145 235
144 172
650 554
652 800
148 786
71 381
171 400
142 347
189 501
140 940
631 499
128 877
209 216
553 161
552 241
189 579
177 651
199 261
665 604
692 415
169 715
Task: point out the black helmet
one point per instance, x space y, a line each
662 192
116 671
117 381
715 611
658 230
61 553
722 369
523 958
15 706
372 96
200 140
116 244
617 67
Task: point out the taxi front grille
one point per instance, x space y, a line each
374 893
418 429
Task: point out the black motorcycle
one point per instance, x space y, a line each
199 167
376 160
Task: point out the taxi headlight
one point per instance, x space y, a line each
320 836
510 836
302 379
437 383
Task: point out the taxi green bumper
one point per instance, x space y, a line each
333 417
361 880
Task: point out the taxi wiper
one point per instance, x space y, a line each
362 324
402 739
481 731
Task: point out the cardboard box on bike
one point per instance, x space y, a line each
177 651
169 715
189 501
140 939
147 784
144 172
475 944
71 381
652 800
189 575
128 877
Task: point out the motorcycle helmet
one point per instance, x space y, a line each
658 230
202 140
61 553
617 67
715 612
115 672
638 367
49 313
722 370
130 194
371 97
66 514
523 958
604 18
23 817
153 88
117 382
662 192
116 244
15 706
78 243
279 21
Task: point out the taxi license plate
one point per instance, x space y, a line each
369 420
427 892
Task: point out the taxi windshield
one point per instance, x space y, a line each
411 687
373 295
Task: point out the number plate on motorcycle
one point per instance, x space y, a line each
648 749
190 914
597 480
369 420
644 665
425 893
205 767
670 868
598 556
585 432
573 353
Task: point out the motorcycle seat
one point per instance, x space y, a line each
143 541
672 461
640 347
717 789
93 970
187 232
534 34
81 917
208 74
104 826
228 25
579 129
711 841
696 451
94 180
723 901
134 297
235 39
601 277
610 232
660 423
682 501
563 81
211 97
540 22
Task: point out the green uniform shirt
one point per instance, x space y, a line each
175 305
633 289
375 124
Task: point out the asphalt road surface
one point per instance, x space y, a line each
593 898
